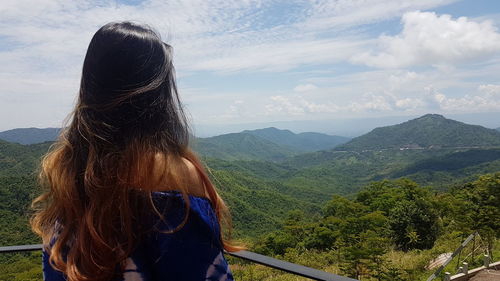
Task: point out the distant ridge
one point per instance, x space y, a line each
269 144
30 135
302 142
240 146
430 130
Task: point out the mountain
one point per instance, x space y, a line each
241 146
498 129
30 135
17 159
269 144
302 142
289 141
428 131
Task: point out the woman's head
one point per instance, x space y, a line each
128 91
99 174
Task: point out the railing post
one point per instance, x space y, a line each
447 276
465 268
486 261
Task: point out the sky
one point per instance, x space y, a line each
259 62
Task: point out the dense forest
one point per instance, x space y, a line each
370 208
390 230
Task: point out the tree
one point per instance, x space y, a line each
413 224
482 206
342 207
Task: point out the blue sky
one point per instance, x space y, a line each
266 61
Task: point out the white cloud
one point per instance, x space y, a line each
490 90
485 99
346 13
431 39
305 87
396 91
297 105
371 102
409 103
207 35
386 92
283 105
280 56
42 48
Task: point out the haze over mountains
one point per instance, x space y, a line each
263 144
341 126
272 144
269 144
302 142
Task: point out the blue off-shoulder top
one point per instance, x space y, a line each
192 253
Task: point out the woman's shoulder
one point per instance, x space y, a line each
191 178
196 187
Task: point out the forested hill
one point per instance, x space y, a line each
30 135
428 131
17 159
241 146
269 144
303 142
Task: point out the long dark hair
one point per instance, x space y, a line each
100 173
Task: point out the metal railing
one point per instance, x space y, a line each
463 272
448 260
289 267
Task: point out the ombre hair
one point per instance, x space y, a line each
100 174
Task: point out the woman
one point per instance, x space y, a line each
125 197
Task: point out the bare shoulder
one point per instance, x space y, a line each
189 176
195 183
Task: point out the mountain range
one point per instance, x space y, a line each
301 142
30 135
269 144
430 130
265 173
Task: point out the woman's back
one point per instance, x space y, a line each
194 252
121 176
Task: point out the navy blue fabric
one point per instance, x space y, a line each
192 253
